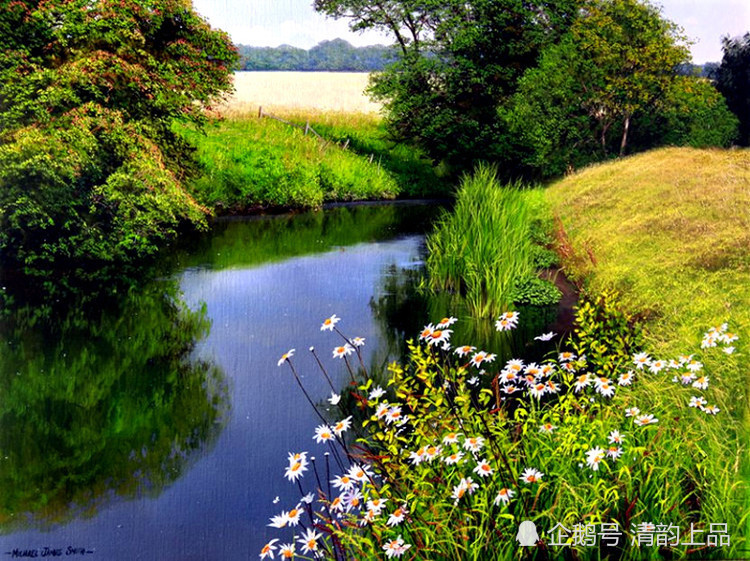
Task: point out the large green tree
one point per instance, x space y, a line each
733 80
90 169
459 60
616 64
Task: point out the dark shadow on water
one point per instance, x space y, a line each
102 406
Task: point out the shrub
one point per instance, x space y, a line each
695 114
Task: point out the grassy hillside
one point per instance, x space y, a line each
670 230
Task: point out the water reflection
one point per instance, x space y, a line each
243 242
405 307
102 405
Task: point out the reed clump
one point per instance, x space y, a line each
485 248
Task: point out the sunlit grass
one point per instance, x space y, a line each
670 230
250 162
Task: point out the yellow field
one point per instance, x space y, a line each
284 91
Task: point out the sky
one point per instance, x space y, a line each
294 22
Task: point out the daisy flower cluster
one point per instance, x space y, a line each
688 371
613 450
468 467
507 321
453 445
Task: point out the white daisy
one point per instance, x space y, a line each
545 336
701 382
286 356
594 457
268 549
504 496
376 393
446 322
329 323
643 420
483 469
632 411
547 428
531 475
615 437
345 350
581 382
474 443
395 548
397 516
309 541
464 350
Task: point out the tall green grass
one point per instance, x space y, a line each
249 162
485 246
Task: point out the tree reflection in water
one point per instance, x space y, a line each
102 405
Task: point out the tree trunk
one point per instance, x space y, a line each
603 138
624 141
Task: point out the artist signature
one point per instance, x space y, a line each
48 552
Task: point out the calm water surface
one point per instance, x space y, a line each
158 427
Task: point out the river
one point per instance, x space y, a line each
159 426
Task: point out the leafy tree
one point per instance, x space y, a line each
459 60
90 169
614 65
733 81
335 56
694 113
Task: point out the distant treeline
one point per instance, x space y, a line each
707 70
333 56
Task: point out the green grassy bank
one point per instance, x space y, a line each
249 163
670 231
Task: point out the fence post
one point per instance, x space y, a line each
372 156
346 144
260 111
307 127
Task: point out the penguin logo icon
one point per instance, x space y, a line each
527 536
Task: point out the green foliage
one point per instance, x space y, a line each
535 292
733 81
543 257
90 170
693 113
484 249
327 56
578 105
250 163
458 61
606 334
